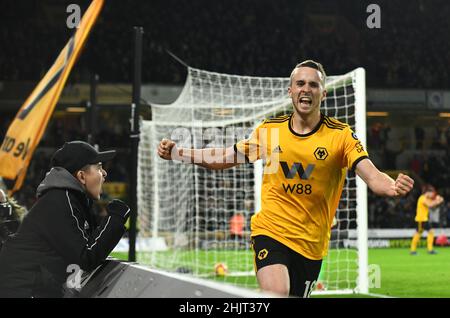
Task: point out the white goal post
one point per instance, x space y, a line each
184 210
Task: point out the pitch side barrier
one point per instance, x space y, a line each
117 279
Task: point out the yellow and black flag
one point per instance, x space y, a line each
29 125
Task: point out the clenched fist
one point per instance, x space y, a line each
403 184
119 208
166 148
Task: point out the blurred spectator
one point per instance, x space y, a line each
420 135
375 135
416 165
237 226
11 214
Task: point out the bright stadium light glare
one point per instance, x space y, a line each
377 114
76 109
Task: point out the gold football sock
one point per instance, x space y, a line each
430 240
415 241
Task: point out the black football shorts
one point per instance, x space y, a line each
303 272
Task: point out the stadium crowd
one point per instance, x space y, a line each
237 37
425 158
242 38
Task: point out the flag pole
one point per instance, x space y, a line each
134 136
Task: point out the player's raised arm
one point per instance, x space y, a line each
380 183
211 158
434 201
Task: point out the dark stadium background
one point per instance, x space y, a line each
410 52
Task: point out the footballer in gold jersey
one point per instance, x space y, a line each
307 155
303 180
428 200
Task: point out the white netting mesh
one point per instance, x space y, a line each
188 208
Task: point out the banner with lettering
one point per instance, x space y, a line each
26 130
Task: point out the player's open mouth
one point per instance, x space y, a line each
305 101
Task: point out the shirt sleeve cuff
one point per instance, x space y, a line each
358 161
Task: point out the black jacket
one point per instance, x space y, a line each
59 230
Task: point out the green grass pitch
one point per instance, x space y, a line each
402 275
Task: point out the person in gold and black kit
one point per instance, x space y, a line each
307 155
429 199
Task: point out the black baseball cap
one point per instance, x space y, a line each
74 155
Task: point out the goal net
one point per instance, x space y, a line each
193 218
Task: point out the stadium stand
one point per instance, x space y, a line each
203 40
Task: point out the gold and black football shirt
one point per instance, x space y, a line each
422 209
303 180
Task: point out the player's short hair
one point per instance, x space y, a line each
428 188
312 64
